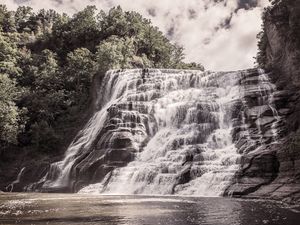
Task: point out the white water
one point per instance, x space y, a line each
158 168
269 90
180 125
10 187
113 87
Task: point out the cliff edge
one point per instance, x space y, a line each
274 171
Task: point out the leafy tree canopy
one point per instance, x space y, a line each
48 61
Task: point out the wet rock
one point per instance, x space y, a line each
257 170
184 176
259 111
263 121
284 111
123 155
121 142
193 133
28 175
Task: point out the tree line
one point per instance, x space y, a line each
48 61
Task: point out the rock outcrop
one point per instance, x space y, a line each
193 143
182 132
273 171
187 132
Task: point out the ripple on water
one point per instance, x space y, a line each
66 209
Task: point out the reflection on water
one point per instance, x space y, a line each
66 209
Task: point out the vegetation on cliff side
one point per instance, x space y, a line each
48 61
286 24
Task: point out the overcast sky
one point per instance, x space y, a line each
220 34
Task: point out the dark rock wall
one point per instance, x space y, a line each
270 167
283 35
274 170
282 29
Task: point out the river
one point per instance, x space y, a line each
63 209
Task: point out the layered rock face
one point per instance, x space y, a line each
274 171
268 168
188 147
192 132
182 132
175 125
282 49
176 132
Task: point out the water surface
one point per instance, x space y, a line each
63 209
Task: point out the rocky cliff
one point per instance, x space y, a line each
179 143
274 171
176 132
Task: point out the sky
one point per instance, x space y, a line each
219 34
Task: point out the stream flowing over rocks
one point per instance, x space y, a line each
159 131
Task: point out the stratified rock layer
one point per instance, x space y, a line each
178 117
176 132
182 132
274 171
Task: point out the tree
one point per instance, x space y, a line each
48 60
7 20
79 31
9 56
46 71
43 136
43 21
114 53
78 75
113 23
11 123
22 16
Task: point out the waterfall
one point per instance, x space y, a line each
10 187
113 87
193 138
162 131
190 149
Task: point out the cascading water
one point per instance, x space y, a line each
192 142
60 172
164 132
10 187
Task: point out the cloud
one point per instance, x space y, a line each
9 3
220 34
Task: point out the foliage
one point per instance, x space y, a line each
11 123
287 26
78 75
48 61
9 56
114 53
7 21
261 56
